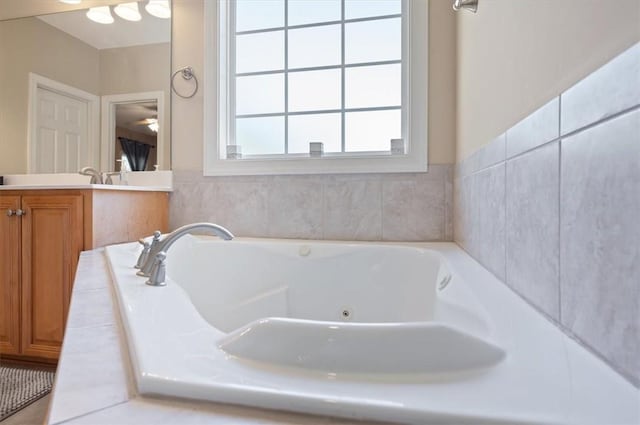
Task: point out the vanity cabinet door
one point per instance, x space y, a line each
9 275
52 239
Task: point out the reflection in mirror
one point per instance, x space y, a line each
137 136
56 69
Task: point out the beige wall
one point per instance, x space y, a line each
30 45
513 56
139 69
188 48
135 69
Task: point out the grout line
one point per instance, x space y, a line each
73 418
382 209
506 185
598 122
523 153
559 213
323 220
506 222
444 204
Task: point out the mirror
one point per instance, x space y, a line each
69 87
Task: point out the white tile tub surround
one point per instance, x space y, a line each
613 88
353 208
600 234
486 218
373 207
532 235
540 127
581 389
572 188
492 153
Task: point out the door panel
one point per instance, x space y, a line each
9 276
52 231
62 133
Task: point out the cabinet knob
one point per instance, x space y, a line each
10 212
20 212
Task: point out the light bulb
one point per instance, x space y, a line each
128 11
159 8
100 14
152 123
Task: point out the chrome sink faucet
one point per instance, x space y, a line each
153 256
96 177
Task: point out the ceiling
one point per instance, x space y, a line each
12 9
130 115
121 33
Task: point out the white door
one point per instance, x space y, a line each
62 133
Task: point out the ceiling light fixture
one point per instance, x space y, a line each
70 1
128 11
159 8
152 124
100 14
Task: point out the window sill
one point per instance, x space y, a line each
324 165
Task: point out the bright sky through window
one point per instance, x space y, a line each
316 71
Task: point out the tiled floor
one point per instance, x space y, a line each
34 414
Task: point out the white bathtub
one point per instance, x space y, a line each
352 330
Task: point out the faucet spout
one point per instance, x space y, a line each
163 245
96 177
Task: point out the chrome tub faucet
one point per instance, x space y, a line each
151 261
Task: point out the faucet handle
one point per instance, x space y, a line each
109 180
158 271
147 264
156 239
146 247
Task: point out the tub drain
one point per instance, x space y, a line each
346 314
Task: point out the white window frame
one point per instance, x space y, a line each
217 107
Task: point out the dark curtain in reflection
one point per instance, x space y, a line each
137 153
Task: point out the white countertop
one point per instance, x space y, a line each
86 187
145 181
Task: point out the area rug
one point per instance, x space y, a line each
21 387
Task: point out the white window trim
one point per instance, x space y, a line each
108 133
216 105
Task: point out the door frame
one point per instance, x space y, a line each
93 117
108 133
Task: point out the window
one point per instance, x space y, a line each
347 73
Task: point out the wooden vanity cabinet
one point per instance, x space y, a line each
52 239
42 235
10 242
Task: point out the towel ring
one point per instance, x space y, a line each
187 74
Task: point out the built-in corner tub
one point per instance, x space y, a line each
377 332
